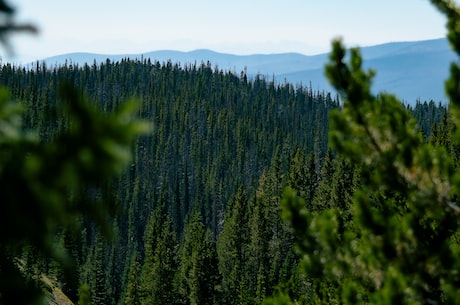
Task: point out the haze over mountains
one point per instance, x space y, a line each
411 70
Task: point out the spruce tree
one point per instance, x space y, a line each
198 276
160 263
270 240
323 194
133 293
303 176
97 279
232 249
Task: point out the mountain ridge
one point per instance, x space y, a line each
413 70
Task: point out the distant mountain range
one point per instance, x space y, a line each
411 70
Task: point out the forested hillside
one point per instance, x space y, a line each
411 70
198 219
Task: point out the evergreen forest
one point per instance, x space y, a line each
187 184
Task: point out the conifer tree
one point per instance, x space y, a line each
97 279
270 240
197 277
133 293
160 263
323 194
84 295
232 249
402 247
345 181
303 177
45 185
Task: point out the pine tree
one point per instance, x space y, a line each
51 179
97 279
345 181
323 196
84 295
303 176
160 263
133 293
198 276
270 240
403 246
232 250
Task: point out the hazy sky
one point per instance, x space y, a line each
234 26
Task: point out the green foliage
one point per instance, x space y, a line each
303 176
96 278
401 246
160 265
198 276
133 294
232 249
84 298
205 145
323 194
46 186
223 146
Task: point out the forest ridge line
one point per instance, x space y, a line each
412 70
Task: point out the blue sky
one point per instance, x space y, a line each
237 26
